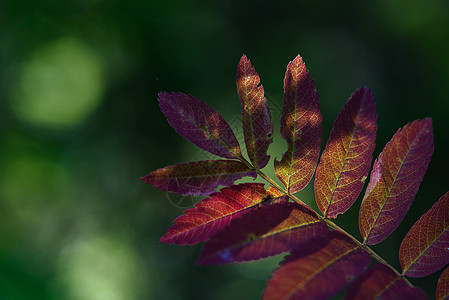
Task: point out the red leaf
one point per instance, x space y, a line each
200 124
211 215
347 158
380 282
318 272
265 231
425 248
395 180
257 125
198 177
443 286
300 127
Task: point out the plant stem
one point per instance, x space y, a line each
271 181
332 225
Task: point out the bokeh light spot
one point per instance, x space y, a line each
100 267
59 86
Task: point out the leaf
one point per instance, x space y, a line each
395 180
265 231
211 215
345 162
300 127
198 177
380 282
318 272
443 286
257 125
425 248
200 124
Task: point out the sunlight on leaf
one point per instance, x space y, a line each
395 180
211 215
424 249
347 158
257 125
300 127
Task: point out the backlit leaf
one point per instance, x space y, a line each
265 231
345 162
425 248
198 177
318 272
395 180
443 286
300 127
211 215
257 125
200 124
380 282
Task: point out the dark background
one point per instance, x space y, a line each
79 124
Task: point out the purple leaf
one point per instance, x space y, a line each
265 231
347 158
300 127
211 215
425 248
198 177
395 180
442 291
380 282
319 271
200 124
257 125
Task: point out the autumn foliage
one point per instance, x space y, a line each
250 221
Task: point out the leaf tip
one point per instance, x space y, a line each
166 239
427 122
164 96
297 60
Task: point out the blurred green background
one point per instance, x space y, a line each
80 123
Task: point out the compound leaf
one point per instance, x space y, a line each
380 282
198 177
257 125
395 180
443 286
318 272
211 215
268 230
200 124
300 127
425 248
346 160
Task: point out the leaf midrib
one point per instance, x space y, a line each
394 182
422 253
308 279
237 155
344 163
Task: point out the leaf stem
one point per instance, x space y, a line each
324 219
367 248
271 181
334 226
364 246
